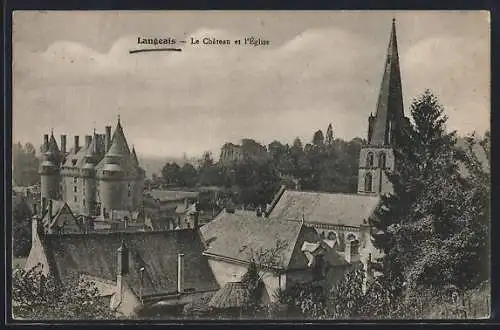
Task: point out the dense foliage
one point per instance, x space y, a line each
325 164
25 165
21 228
36 296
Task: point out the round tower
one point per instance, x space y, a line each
88 174
49 172
112 186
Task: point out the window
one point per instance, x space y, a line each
381 160
83 201
351 237
76 199
368 182
74 189
322 235
369 159
332 236
75 180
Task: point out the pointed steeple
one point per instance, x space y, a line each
390 114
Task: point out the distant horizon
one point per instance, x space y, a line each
72 72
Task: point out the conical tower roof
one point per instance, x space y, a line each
134 157
390 112
119 146
52 147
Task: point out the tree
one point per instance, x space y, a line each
318 138
171 173
36 296
25 164
188 175
21 225
329 135
434 223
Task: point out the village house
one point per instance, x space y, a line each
162 207
136 272
287 252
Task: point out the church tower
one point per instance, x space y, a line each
377 156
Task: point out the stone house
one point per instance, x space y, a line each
287 252
134 271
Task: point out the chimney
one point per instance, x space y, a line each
196 219
107 139
88 140
49 210
77 143
45 142
44 206
180 273
123 259
364 233
352 251
63 143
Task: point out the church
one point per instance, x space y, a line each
99 179
339 218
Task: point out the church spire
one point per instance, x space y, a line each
390 113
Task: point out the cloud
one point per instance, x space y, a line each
195 100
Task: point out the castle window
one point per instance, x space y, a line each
369 159
83 201
74 188
351 237
76 199
381 160
75 180
368 182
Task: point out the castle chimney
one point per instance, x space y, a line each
45 142
180 273
77 143
88 140
107 139
63 143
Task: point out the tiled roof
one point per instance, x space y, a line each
235 236
172 195
95 254
329 208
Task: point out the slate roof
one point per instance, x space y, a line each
231 295
95 254
234 236
390 99
172 195
328 208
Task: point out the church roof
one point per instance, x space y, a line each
95 254
390 99
328 208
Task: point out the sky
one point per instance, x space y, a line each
72 72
